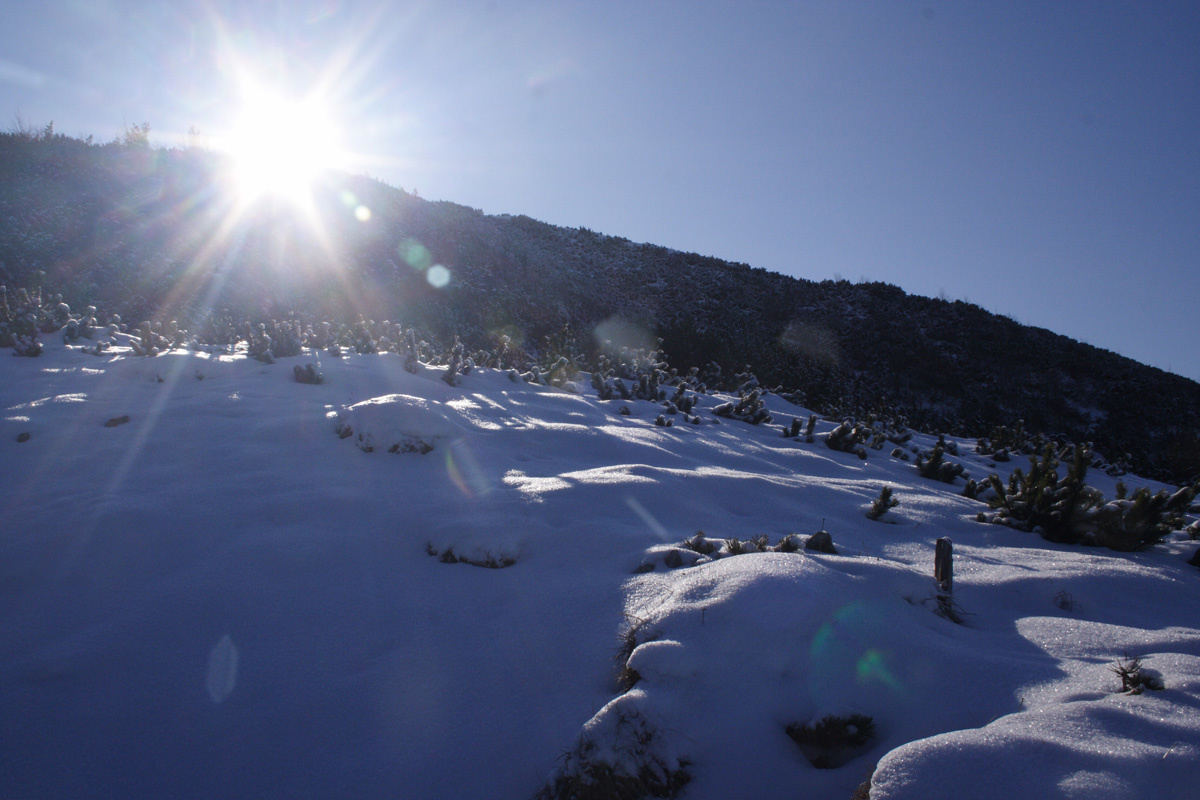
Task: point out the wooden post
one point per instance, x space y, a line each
943 565
943 575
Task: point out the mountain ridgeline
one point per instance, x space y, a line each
155 234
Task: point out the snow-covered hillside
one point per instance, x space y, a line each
218 582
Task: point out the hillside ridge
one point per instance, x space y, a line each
148 234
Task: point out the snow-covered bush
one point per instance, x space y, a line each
1135 678
635 634
1067 510
486 560
751 408
19 321
308 374
794 430
151 342
455 365
848 438
557 374
882 504
832 740
364 343
411 354
934 465
620 756
700 549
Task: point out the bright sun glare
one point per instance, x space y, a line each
281 146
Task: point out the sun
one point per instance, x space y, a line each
281 146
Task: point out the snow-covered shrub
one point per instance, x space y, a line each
1069 511
84 325
749 408
364 343
151 342
1140 521
557 374
26 346
258 343
455 364
848 438
681 401
636 633
882 504
632 375
1135 678
308 374
19 322
789 544
1005 440
411 355
486 560
700 549
794 430
1039 499
619 756
933 465
287 339
700 544
1066 601
831 741
896 430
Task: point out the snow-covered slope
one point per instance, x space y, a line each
240 592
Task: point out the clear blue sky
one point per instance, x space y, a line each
1041 159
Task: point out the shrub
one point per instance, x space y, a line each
700 544
635 634
630 767
848 438
455 365
825 742
1066 601
308 374
933 465
751 408
882 504
1134 677
1068 511
488 561
788 544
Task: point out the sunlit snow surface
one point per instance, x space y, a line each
226 597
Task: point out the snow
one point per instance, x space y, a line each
232 594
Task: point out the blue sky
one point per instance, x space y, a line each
1040 159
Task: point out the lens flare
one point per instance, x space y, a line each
464 472
415 254
846 645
